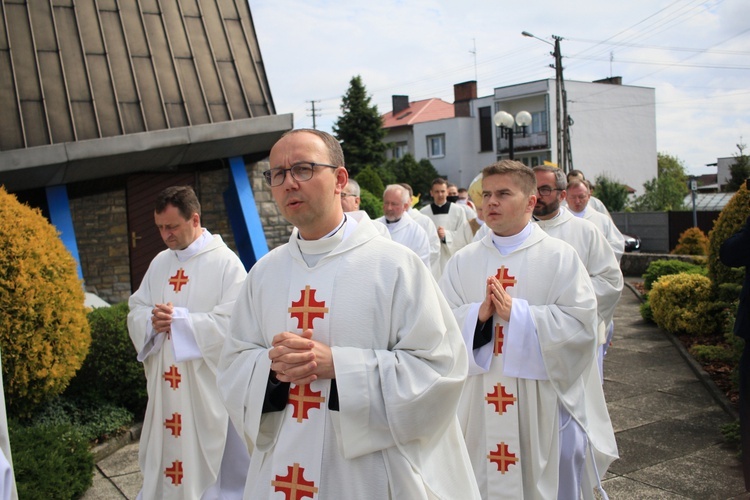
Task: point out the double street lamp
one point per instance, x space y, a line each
506 122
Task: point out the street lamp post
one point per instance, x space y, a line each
506 122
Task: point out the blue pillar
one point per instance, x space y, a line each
243 215
59 214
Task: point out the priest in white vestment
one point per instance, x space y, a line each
178 319
533 411
579 198
400 225
450 220
344 365
594 202
592 247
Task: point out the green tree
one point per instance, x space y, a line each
666 191
418 174
740 170
613 194
369 179
360 129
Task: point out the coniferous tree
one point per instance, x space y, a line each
360 129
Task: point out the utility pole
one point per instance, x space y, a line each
564 151
476 78
314 114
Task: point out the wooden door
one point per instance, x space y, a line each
144 239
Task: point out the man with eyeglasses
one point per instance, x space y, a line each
528 315
592 247
350 196
344 364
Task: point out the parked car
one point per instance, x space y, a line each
632 243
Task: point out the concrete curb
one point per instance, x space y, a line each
108 447
704 377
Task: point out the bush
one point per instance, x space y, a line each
369 179
730 220
44 334
692 242
371 204
95 420
646 312
681 303
111 372
50 461
664 267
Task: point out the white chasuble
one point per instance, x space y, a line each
538 363
186 425
399 363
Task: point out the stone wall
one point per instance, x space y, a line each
101 227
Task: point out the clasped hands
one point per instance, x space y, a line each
161 317
299 359
497 301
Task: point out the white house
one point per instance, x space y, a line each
613 129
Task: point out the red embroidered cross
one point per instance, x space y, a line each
306 309
175 473
502 457
500 398
173 377
303 400
174 424
499 337
506 280
294 485
179 280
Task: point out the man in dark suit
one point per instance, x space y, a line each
735 252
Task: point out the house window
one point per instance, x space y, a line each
485 129
436 146
398 150
538 122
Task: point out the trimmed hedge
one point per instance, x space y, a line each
681 303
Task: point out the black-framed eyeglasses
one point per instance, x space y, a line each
547 190
299 171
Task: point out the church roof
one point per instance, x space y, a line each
94 89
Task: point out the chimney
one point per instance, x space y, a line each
463 93
400 103
612 80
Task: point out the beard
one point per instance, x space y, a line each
541 209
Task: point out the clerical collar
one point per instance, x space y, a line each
336 230
392 221
578 214
507 244
195 247
444 209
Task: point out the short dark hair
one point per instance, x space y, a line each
523 175
181 197
335 153
438 180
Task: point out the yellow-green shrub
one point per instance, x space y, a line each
681 303
692 242
44 333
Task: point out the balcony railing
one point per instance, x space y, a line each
532 142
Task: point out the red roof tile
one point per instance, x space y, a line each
427 110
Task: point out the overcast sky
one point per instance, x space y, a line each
695 53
